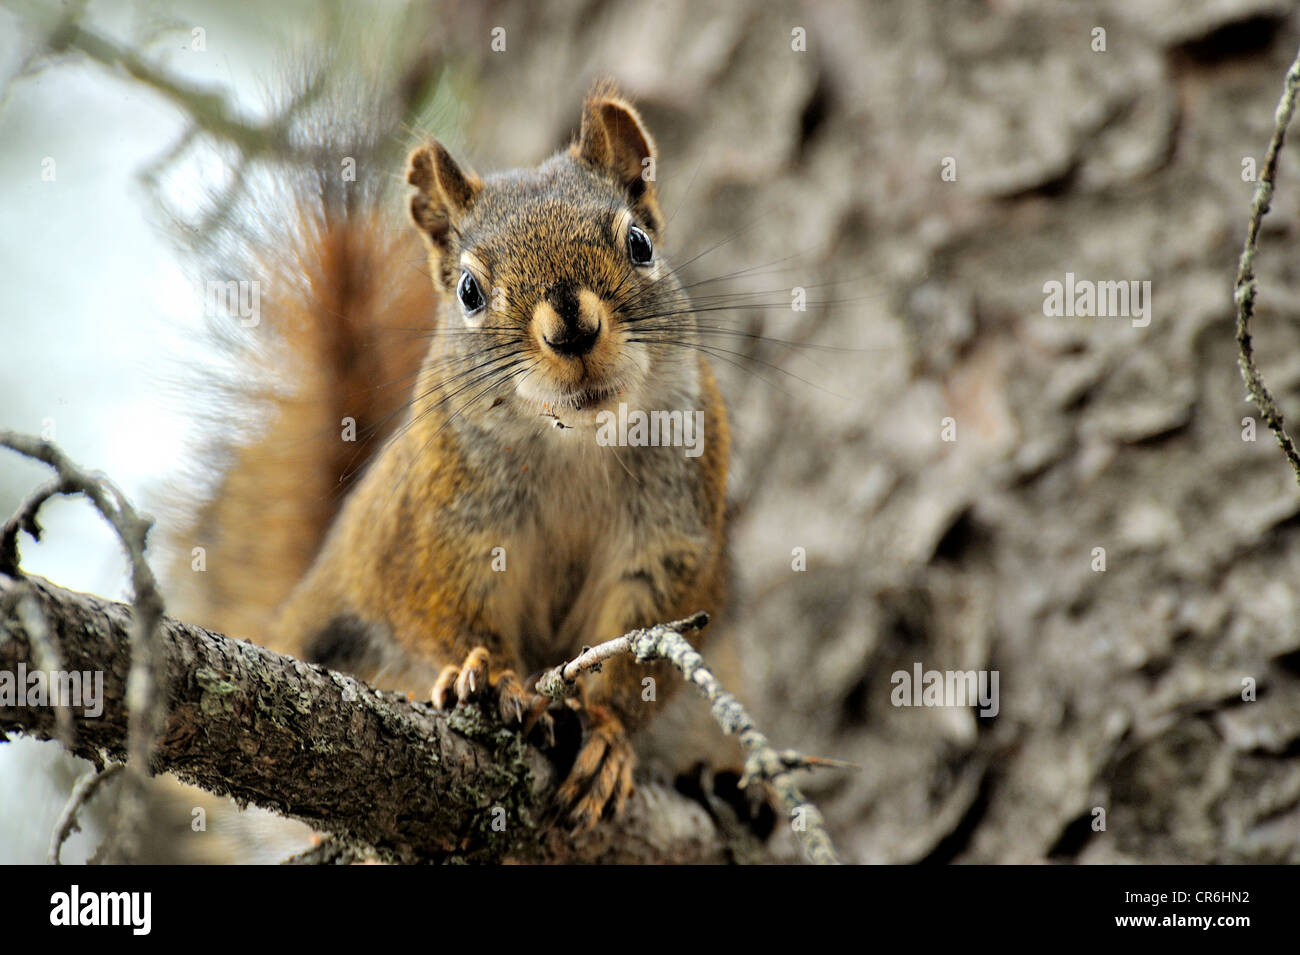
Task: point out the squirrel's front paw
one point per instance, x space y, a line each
600 781
475 680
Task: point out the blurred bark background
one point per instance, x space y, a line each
1119 689
821 168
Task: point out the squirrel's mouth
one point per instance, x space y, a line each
576 400
574 407
585 398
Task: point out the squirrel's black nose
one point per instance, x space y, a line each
570 336
575 342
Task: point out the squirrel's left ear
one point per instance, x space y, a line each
615 141
443 195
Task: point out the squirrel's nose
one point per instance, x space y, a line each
574 343
569 322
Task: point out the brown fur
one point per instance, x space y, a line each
340 305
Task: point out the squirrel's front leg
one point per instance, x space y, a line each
622 696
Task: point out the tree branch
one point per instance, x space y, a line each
315 745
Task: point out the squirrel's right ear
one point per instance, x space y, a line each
444 193
614 140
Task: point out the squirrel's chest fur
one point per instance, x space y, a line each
523 537
569 541
581 528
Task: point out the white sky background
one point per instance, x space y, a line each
97 307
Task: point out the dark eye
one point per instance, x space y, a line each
639 249
467 290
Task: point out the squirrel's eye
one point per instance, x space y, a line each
639 249
467 290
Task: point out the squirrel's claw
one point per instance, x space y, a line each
443 694
600 781
474 681
512 701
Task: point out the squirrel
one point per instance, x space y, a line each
492 533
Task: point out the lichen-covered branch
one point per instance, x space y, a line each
315 745
763 763
1245 287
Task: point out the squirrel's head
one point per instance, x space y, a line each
554 290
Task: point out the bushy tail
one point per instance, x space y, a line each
335 315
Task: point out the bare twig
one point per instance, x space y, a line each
793 759
562 681
665 641
86 787
24 519
133 530
207 110
1245 288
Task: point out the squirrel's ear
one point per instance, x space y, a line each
444 193
614 140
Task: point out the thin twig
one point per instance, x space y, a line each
24 519
1244 290
133 530
209 111
665 641
86 787
206 111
